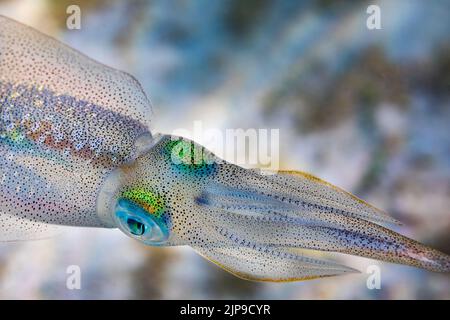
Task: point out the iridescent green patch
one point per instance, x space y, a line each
188 156
150 201
16 138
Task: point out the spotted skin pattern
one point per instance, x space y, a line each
64 126
76 149
150 201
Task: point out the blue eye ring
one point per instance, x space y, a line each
139 224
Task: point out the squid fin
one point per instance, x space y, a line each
15 228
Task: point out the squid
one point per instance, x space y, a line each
76 149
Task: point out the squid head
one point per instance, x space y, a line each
256 226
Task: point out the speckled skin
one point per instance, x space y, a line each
64 126
75 142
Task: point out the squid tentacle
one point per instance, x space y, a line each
249 218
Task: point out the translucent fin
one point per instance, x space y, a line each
42 61
271 264
14 228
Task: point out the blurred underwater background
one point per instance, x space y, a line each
367 110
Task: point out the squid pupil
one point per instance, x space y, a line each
137 228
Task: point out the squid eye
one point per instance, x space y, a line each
136 227
139 224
